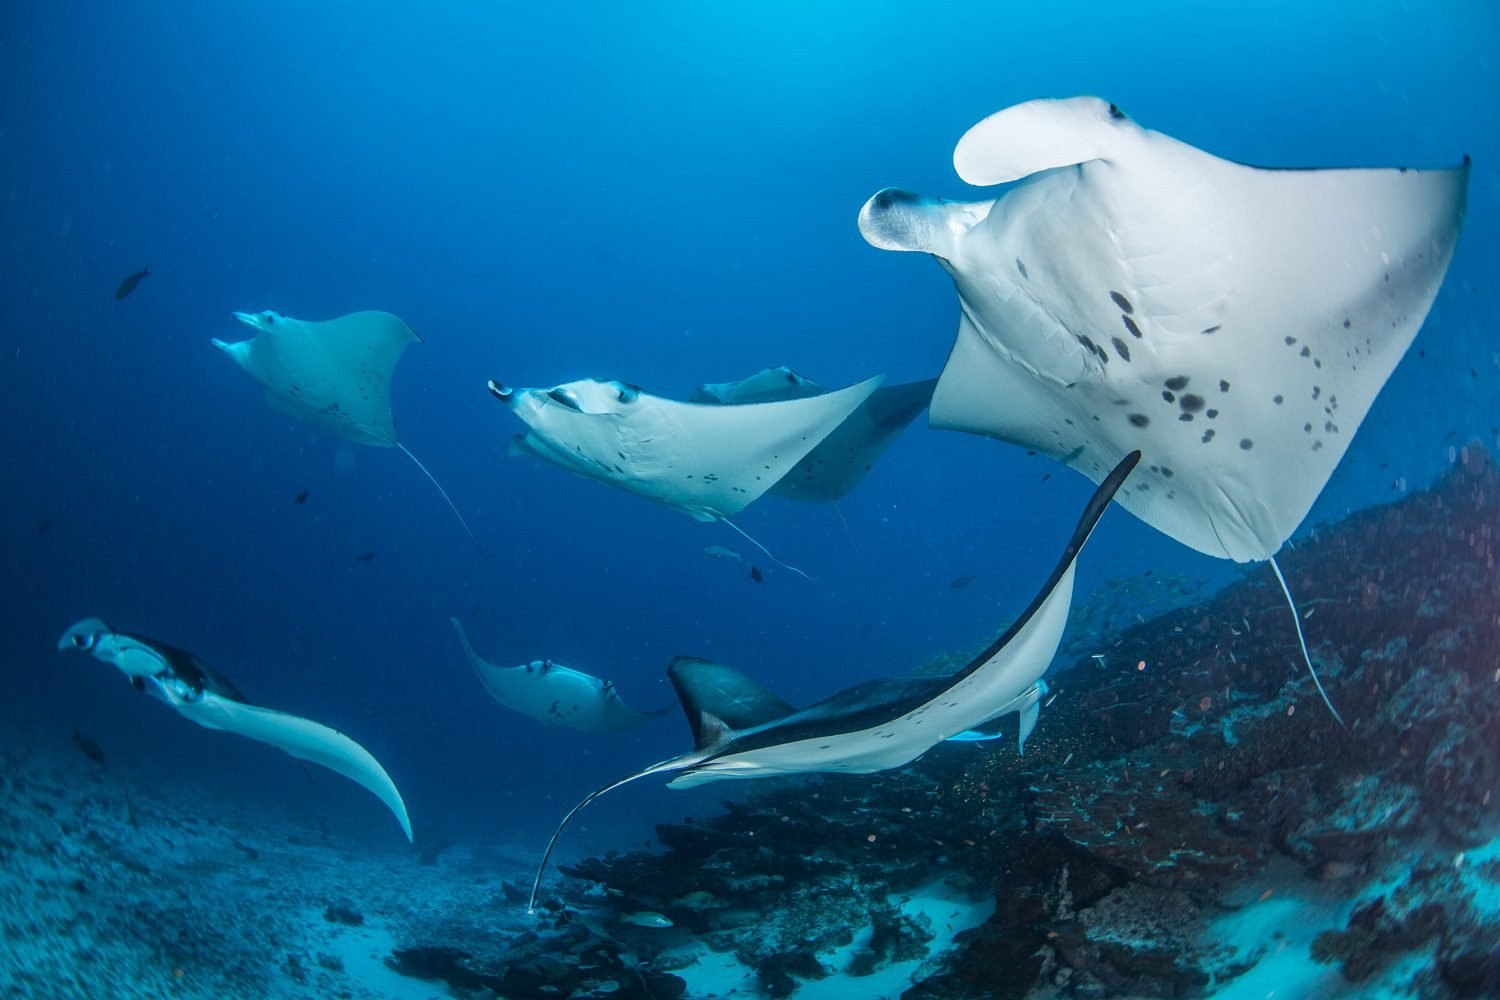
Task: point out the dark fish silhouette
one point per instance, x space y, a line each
366 557
756 575
90 749
128 285
42 525
301 497
960 582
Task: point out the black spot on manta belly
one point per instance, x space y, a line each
1211 414
1191 403
1246 444
1223 385
1139 419
1021 266
1122 302
1169 396
1177 383
1120 348
1135 331
1277 399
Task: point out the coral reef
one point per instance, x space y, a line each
1174 766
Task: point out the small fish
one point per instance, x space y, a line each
646 918
720 552
90 749
960 582
366 557
757 575
128 285
300 498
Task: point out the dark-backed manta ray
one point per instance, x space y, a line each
1234 323
708 461
554 694
838 462
333 373
205 696
741 730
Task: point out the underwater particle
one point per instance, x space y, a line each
870 839
1205 703
1141 665
1291 710
1266 895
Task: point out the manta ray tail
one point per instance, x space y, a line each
541 867
769 554
847 533
1297 621
454 507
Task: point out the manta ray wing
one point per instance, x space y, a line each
1234 323
303 739
843 458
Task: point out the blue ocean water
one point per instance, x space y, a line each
663 193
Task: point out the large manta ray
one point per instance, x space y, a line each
740 730
708 461
1234 323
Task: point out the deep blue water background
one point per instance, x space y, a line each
659 192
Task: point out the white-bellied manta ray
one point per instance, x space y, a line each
741 730
333 373
1234 323
205 696
708 461
554 694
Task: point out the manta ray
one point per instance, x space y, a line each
1234 323
333 373
553 694
708 461
836 465
741 730
200 693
